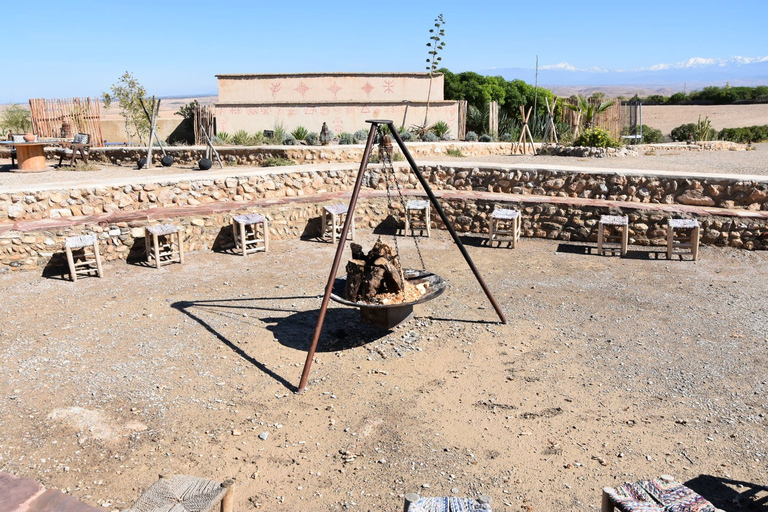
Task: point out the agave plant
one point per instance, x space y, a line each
441 129
300 133
703 130
242 138
222 138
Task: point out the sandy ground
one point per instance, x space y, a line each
608 370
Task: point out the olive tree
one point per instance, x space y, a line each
128 93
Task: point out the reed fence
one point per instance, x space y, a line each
83 115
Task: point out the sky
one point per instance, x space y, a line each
76 48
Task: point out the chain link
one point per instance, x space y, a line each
385 155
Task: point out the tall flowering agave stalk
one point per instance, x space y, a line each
435 45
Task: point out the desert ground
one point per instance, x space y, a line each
608 370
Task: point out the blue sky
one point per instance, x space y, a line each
79 48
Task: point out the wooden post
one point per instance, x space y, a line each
493 118
462 120
228 501
606 505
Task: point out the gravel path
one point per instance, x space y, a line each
707 162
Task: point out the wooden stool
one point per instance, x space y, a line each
182 493
417 216
649 495
505 224
337 214
245 229
612 222
87 262
415 503
688 239
160 244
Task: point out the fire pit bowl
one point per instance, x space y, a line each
389 316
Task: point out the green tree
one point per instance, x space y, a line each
16 119
128 93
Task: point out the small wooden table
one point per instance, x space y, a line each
30 156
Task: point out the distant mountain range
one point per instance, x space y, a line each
694 74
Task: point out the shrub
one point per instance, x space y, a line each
346 138
744 134
242 138
222 138
278 161
312 138
289 140
506 137
652 135
300 133
441 129
430 137
485 138
683 132
471 136
455 152
596 138
406 136
360 136
278 134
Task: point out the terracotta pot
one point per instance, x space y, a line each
30 137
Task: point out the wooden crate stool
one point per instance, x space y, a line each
606 232
661 494
415 503
333 221
245 229
162 249
504 225
83 255
683 234
180 493
418 216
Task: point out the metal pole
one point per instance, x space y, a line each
445 220
337 258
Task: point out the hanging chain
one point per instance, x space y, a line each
385 155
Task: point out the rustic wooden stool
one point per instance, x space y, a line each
417 216
180 493
504 226
415 503
245 229
605 232
661 494
159 241
337 214
83 262
684 234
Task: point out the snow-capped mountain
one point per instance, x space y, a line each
694 73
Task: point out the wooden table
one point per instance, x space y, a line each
30 156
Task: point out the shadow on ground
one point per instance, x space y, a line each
342 328
728 494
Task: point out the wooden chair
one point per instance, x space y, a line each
160 244
83 256
504 225
80 144
333 221
606 232
418 216
683 234
662 494
245 229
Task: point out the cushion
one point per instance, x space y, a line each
81 138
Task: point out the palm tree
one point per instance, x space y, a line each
587 110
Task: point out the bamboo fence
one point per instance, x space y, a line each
83 115
204 115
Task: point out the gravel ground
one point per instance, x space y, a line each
728 162
610 369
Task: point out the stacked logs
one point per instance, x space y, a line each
376 273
